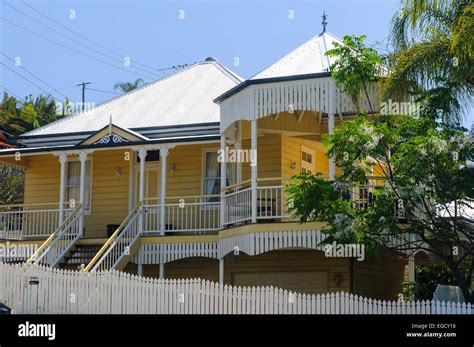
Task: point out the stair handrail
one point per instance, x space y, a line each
51 237
116 233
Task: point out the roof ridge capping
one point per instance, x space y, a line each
226 70
212 61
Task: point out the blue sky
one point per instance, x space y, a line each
154 33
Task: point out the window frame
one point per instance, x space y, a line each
203 168
305 164
87 212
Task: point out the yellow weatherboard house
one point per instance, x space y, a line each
185 178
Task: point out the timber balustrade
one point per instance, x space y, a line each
27 221
56 246
191 213
120 244
183 214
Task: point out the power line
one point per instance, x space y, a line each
86 38
102 46
70 38
33 83
74 50
11 93
104 91
13 61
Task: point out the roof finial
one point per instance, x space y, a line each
324 22
110 125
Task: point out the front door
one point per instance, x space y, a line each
152 183
151 194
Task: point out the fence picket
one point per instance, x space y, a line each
68 291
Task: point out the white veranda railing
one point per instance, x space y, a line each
18 222
237 203
120 243
56 246
271 200
193 213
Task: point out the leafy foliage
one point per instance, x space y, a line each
429 276
125 87
424 181
17 118
355 67
433 42
12 180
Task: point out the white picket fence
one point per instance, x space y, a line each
36 289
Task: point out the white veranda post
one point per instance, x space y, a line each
164 151
82 183
253 167
238 147
223 178
62 185
221 271
164 155
142 152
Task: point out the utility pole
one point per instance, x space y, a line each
83 84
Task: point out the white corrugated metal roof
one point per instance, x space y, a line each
183 98
308 58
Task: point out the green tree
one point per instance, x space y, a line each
125 87
426 185
356 67
17 118
10 119
12 181
434 54
46 109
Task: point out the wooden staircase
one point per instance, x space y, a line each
81 254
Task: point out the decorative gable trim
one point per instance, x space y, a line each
111 138
113 134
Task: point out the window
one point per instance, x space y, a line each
212 174
153 155
307 160
73 174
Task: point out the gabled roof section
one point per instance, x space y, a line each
113 134
309 58
183 98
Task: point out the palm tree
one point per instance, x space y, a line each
47 109
434 45
11 120
17 118
128 86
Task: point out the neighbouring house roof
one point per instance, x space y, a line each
463 209
4 141
5 145
309 60
184 98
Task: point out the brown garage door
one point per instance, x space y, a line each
302 282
